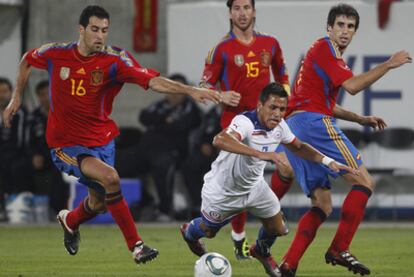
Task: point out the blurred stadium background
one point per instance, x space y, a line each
182 33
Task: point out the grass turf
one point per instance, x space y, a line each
38 251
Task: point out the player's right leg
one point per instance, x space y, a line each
216 211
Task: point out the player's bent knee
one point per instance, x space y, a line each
327 209
282 230
210 233
286 172
111 180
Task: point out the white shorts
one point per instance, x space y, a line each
261 202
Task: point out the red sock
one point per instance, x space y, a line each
238 222
280 184
352 213
305 233
118 207
80 214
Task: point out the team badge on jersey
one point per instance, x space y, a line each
96 77
265 58
64 73
239 60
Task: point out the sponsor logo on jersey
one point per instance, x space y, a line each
239 60
251 54
265 58
81 71
64 73
96 77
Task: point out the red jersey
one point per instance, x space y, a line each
320 77
82 90
244 68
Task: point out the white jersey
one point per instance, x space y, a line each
236 174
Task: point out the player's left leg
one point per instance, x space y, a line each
306 230
263 203
353 210
271 228
95 169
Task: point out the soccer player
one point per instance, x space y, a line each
235 182
310 116
85 77
242 63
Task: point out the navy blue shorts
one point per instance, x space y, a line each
321 132
66 160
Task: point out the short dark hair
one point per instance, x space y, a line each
342 9
42 85
179 78
274 88
230 3
7 82
90 11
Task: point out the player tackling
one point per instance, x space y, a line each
85 77
235 182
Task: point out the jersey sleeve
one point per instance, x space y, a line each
38 57
130 71
241 125
330 61
212 69
279 69
287 135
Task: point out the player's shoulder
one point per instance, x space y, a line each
118 52
265 35
327 46
114 50
55 46
229 37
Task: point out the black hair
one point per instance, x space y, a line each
179 78
230 5
6 82
90 11
342 9
41 85
274 88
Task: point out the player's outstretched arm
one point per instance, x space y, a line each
230 97
229 140
165 85
15 102
372 121
364 80
306 151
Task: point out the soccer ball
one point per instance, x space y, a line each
212 265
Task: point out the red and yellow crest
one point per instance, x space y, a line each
265 58
97 77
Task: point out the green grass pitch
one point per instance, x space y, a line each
38 251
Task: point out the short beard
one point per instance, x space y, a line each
232 24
